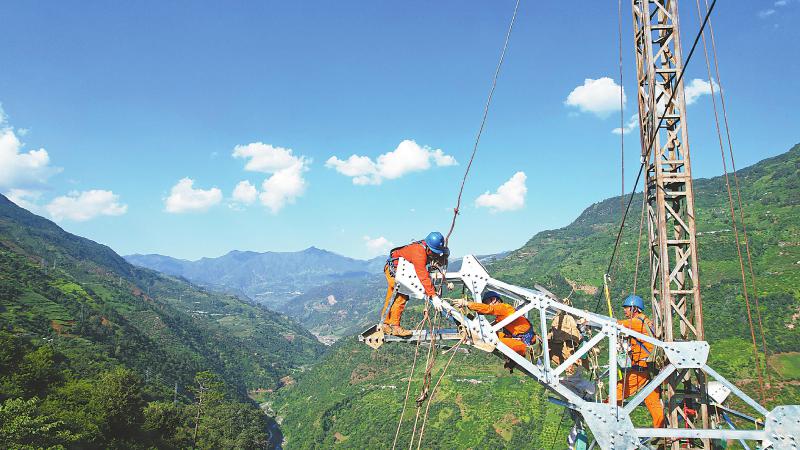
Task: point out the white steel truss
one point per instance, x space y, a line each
611 425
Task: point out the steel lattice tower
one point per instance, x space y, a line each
676 302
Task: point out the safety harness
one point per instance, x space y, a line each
650 355
526 337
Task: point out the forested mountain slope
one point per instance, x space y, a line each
353 398
72 311
578 254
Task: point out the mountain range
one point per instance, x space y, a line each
329 294
271 278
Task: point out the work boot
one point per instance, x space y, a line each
396 330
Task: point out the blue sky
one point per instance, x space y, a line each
133 123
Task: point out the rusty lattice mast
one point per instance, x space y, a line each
675 288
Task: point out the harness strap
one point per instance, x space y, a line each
391 261
651 333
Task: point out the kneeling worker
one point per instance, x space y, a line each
419 254
517 335
637 375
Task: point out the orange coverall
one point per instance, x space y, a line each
637 376
416 254
500 311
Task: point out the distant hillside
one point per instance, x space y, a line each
271 278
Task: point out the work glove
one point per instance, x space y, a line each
437 303
461 302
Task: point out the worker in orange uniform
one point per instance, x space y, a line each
517 335
638 375
419 254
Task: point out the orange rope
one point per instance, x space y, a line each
733 216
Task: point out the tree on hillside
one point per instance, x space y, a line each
118 402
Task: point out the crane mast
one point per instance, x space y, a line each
674 283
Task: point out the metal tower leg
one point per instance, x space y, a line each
675 295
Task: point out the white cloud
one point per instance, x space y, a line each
283 187
599 97
781 3
82 206
697 88
377 246
632 124
245 192
185 198
286 183
766 13
22 170
266 158
406 158
510 195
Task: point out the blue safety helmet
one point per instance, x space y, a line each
435 242
635 301
490 295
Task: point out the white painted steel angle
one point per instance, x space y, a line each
782 427
585 348
650 387
408 282
473 275
610 425
736 391
686 355
519 313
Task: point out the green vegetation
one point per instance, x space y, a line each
93 349
355 398
45 403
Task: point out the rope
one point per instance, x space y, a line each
739 197
483 121
433 393
733 215
652 140
426 378
408 387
